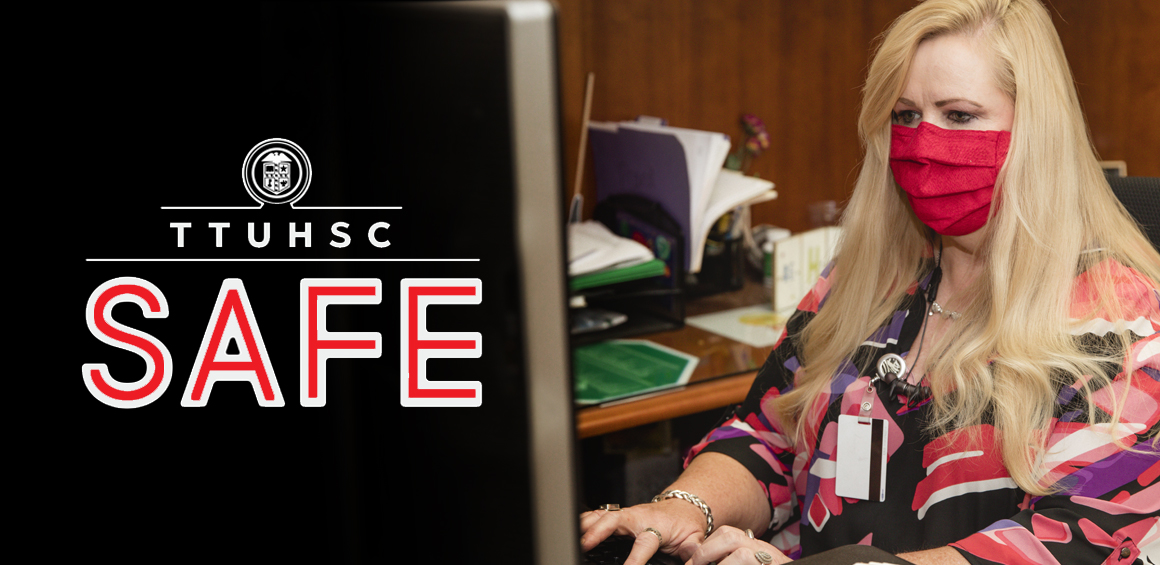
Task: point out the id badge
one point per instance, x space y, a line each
861 458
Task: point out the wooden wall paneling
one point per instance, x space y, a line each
800 67
720 48
1111 47
736 63
818 94
570 38
824 52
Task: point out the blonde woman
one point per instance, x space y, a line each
976 379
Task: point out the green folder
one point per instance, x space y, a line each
651 268
627 367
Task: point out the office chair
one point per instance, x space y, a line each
1141 196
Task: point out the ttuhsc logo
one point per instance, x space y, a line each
276 171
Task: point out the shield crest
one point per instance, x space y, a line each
276 172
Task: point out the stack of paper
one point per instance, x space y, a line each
591 248
730 190
678 168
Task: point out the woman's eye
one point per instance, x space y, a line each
957 117
905 117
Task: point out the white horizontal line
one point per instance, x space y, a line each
294 207
211 207
348 207
265 260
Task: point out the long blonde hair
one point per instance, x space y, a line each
1013 348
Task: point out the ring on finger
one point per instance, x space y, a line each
660 538
749 533
610 507
763 557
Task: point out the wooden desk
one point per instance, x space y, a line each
722 377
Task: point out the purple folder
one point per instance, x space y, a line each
647 164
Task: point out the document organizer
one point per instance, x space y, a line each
722 269
653 304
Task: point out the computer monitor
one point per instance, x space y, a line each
417 141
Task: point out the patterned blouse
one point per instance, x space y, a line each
944 490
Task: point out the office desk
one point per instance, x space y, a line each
722 377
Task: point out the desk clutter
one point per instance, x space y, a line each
662 189
625 271
671 224
680 169
598 257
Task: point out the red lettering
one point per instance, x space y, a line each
232 320
318 344
418 345
158 362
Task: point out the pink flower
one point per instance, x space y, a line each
757 143
752 124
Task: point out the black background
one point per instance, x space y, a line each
158 106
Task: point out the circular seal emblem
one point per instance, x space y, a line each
276 171
891 363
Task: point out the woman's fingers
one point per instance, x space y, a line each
654 527
589 518
596 526
719 546
646 545
730 546
742 556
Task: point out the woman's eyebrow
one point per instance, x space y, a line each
942 103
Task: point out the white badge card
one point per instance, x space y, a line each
861 458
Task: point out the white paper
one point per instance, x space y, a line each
730 190
591 247
757 326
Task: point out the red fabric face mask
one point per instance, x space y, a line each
948 175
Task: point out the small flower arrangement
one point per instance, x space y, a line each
756 141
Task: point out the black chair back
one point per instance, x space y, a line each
1141 196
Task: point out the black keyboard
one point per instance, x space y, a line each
614 550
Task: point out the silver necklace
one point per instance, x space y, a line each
936 309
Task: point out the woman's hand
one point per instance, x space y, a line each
680 525
730 546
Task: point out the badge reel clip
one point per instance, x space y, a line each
862 442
